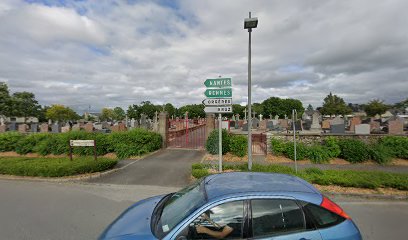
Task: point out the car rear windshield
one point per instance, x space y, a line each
178 206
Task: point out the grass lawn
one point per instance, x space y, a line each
344 178
53 167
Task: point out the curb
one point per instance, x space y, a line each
370 196
75 177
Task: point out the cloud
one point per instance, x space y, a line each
117 53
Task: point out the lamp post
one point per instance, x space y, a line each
249 23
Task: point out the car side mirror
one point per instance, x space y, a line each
182 238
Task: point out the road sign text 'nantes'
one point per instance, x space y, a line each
218 82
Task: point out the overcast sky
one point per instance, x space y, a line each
117 53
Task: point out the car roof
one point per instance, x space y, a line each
240 183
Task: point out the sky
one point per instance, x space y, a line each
118 53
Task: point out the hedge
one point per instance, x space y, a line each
352 150
124 144
53 167
344 178
212 144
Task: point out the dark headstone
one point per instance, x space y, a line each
245 127
337 128
34 127
269 125
12 126
56 128
255 123
307 124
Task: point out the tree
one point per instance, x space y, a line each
277 106
61 113
402 105
118 114
170 109
375 107
148 108
194 110
310 107
107 114
24 104
5 100
334 105
133 111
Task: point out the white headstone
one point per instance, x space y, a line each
260 117
315 121
362 129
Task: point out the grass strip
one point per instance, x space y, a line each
344 178
53 167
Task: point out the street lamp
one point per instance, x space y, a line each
249 23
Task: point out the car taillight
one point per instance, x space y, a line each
331 206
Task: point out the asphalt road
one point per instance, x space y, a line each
43 210
169 167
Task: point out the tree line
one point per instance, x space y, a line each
24 104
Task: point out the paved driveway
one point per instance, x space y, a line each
169 167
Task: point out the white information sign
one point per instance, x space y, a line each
219 109
217 101
82 143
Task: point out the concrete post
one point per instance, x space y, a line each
210 123
164 127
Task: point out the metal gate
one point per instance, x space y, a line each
187 133
259 144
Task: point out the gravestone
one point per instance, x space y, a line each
269 125
337 128
49 121
88 127
337 120
326 124
307 124
105 125
305 116
132 123
260 117
315 122
65 129
143 121
275 122
375 126
353 122
44 128
56 128
263 124
255 123
245 127
97 126
34 127
12 126
276 117
3 128
22 128
284 123
240 123
233 118
76 127
395 125
362 129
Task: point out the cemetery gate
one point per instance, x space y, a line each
187 133
259 144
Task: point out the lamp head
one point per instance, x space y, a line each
250 23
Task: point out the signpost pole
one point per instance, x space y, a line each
220 142
70 151
249 102
294 136
95 149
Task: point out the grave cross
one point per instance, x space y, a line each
245 111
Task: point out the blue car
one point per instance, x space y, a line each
238 205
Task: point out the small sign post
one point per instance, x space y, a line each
81 143
219 100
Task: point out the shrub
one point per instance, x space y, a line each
212 144
278 146
331 144
317 154
27 144
380 153
313 170
199 173
238 145
8 141
53 167
135 142
354 151
301 151
397 144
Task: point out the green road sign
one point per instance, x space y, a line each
218 82
218 93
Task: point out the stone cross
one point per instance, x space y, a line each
270 116
260 117
245 111
286 116
254 114
155 117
